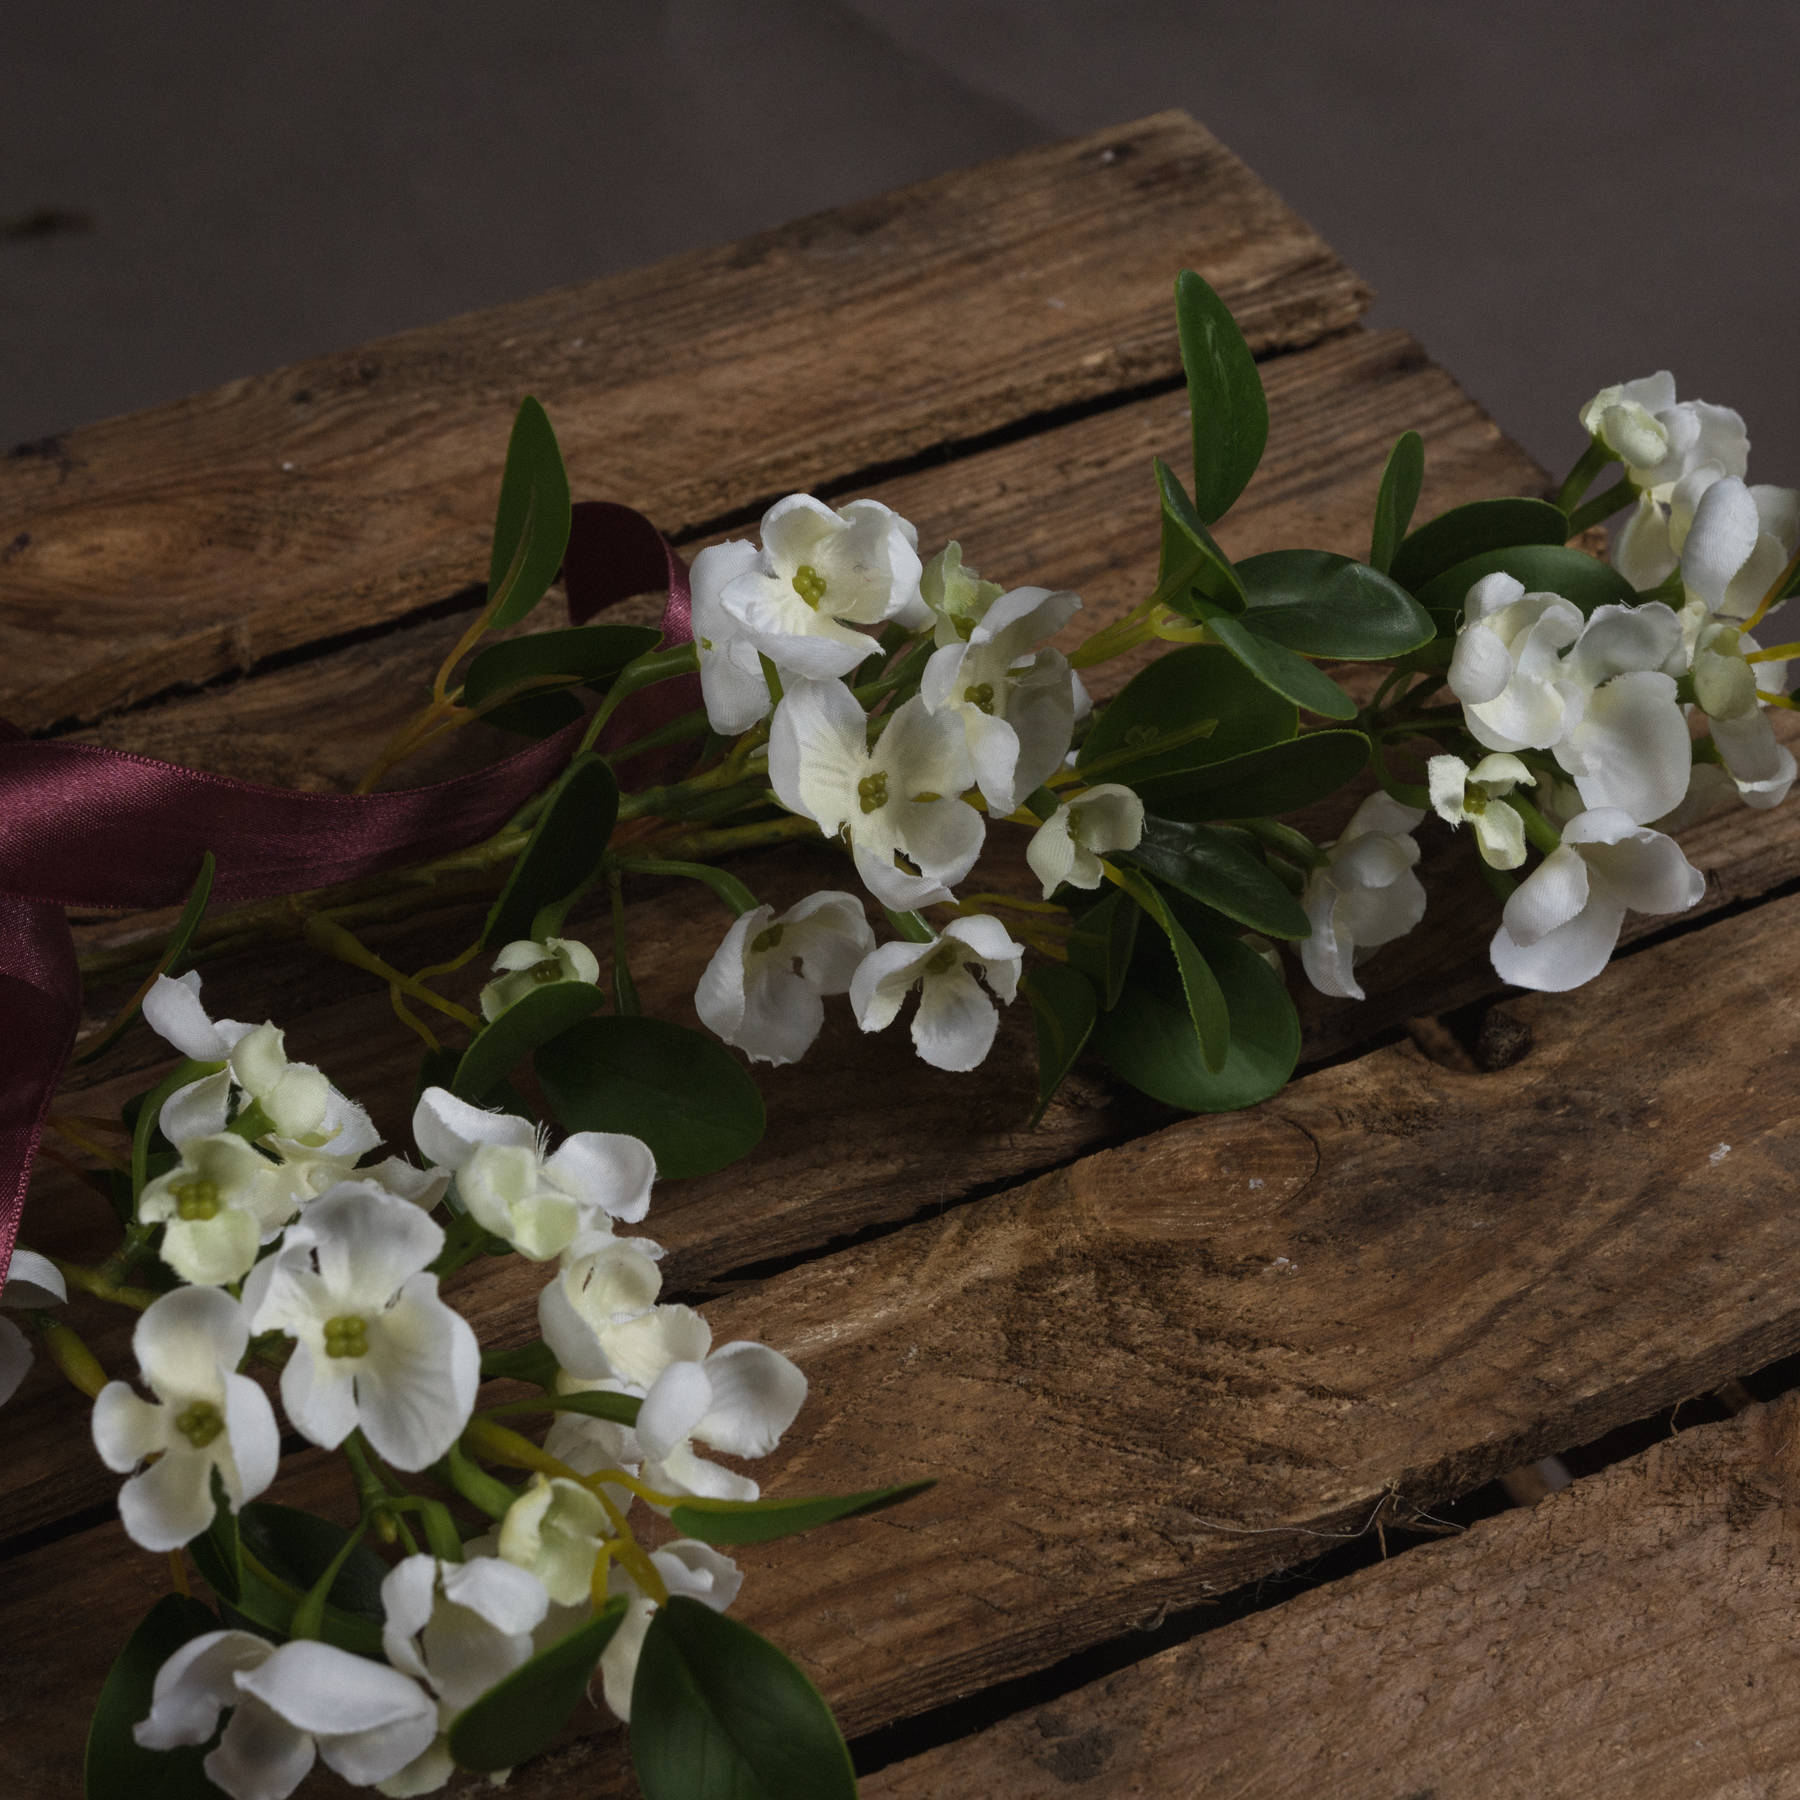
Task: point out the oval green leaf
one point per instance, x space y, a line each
1207 1009
1226 406
284 1551
116 1768
531 522
1471 530
523 1714
1190 559
563 851
718 1713
1321 604
1212 867
1278 779
1583 580
762 1521
1396 498
1100 945
542 668
1152 726
1149 1041
1064 1007
530 1021
1279 669
683 1093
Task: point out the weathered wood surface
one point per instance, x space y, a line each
1638 1633
352 490
1132 1403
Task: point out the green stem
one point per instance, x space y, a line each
653 666
339 942
1602 506
1589 464
624 989
700 844
732 894
912 927
104 1287
1538 829
1296 846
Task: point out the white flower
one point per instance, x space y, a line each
1016 702
1460 794
288 1704
586 1444
1731 692
1507 667
957 597
553 1530
374 1346
822 571
1069 844
763 990
686 1567
1562 921
540 1204
460 1628
526 965
218 1206
598 1313
205 1416
1739 541
955 1025
33 1281
897 800
732 683
1366 896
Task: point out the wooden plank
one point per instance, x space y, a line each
1133 1402
1634 1634
283 509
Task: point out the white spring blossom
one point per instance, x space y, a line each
1507 667
733 687
32 1282
374 1346
206 1419
1561 923
1732 692
290 1704
1069 844
1477 796
899 799
539 1203
1365 896
686 1566
218 1206
527 964
957 598
956 1020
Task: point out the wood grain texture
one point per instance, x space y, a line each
1635 1634
1133 1403
283 509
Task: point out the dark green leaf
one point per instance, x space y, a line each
583 654
1396 498
1185 688
1206 1003
1325 605
1225 396
762 1521
718 1713
1278 779
1190 558
1148 1038
1215 868
1065 1007
563 851
116 1768
622 1409
1470 530
532 1020
523 1714
531 523
1101 943
284 1552
173 951
1583 580
1291 676
216 1552
683 1093
533 1362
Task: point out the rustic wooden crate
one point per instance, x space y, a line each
1503 1237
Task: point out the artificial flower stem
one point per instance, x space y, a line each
653 666
1775 653
78 1364
1580 478
732 894
178 1575
485 1492
97 1283
1296 846
1538 829
338 941
1777 589
912 926
1602 506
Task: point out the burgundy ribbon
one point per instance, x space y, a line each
90 827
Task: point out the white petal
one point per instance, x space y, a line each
370 1242
448 1131
319 1396
619 1660
606 1171
415 1389
186 1340
882 980
641 1348
993 749
956 1022
1051 851
408 1594
171 1502
126 1427
1491 594
830 934
894 888
212 1251
329 1692
33 1281
923 751
1447 779
1381 812
1567 957
173 1011
261 1756
1480 666
15 1360
254 1436
699 1571
1632 749
677 1401
719 997
1641 548
1641 869
195 1685
1500 835
1761 766
818 751
1619 639
1719 542
756 1395
508 1598
201 1109
1548 898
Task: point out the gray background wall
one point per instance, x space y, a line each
1550 197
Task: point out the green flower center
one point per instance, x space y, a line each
941 961
197 1199
809 584
200 1423
980 696
872 791
347 1335
547 970
767 940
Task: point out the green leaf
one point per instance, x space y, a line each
622 1409
531 523
1396 498
1189 686
116 1768
534 1362
173 951
1149 1041
683 1093
1206 1004
1065 1007
1326 605
521 1715
1277 779
1291 676
1229 414
1190 558
1214 868
532 1020
563 852
1470 530
585 655
762 1521
216 1551
1100 945
284 1551
145 1129
718 1713
1583 580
